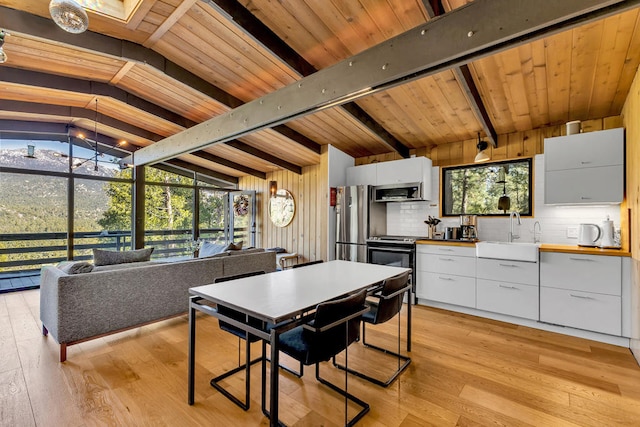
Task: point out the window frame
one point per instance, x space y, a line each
443 186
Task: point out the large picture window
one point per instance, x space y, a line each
496 188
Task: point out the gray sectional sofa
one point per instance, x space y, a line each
78 307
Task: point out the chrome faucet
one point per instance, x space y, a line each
536 235
513 236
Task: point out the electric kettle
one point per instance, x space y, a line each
586 233
607 234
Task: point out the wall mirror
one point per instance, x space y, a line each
282 208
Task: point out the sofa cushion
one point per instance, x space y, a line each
111 267
233 246
75 267
210 248
102 257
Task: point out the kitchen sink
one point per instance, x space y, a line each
505 250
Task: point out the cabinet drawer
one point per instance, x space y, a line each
449 264
507 298
583 186
591 149
469 251
445 288
508 271
587 273
583 310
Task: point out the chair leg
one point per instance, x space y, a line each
364 405
403 362
247 367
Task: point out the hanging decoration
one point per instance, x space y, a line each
241 205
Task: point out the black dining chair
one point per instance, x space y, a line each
242 335
335 325
305 264
384 304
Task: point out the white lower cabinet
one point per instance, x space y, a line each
458 290
581 291
447 274
582 310
508 287
507 298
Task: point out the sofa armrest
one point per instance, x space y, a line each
49 298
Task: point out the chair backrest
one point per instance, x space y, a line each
323 345
304 264
387 308
237 276
234 314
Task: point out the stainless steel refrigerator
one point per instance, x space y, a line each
357 219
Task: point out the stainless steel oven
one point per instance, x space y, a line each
398 251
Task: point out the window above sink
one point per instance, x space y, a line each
477 189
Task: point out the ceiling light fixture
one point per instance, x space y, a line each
69 16
3 56
482 156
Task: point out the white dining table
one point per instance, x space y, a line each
282 296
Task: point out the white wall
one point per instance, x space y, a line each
407 219
338 164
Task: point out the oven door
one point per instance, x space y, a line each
395 256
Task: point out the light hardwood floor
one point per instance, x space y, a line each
466 371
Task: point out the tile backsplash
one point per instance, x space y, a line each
407 218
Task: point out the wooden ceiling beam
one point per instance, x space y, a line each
466 82
455 38
204 171
77 112
248 149
22 22
228 163
33 78
255 28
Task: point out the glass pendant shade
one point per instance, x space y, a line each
69 16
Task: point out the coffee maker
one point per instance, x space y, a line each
469 227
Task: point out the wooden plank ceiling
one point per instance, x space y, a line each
176 63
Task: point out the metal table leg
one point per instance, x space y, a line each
192 349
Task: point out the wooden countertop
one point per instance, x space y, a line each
545 247
569 249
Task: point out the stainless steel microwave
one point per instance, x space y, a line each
398 192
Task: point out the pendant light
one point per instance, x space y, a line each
3 56
504 202
482 156
69 16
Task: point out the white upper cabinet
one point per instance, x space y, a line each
412 170
585 168
415 169
362 175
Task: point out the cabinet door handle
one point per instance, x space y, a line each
445 249
581 296
585 163
446 259
585 198
508 287
508 265
445 278
581 259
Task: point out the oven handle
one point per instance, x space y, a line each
387 249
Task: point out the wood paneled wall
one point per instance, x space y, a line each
510 146
306 234
631 120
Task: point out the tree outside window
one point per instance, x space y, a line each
476 189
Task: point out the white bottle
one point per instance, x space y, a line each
607 240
